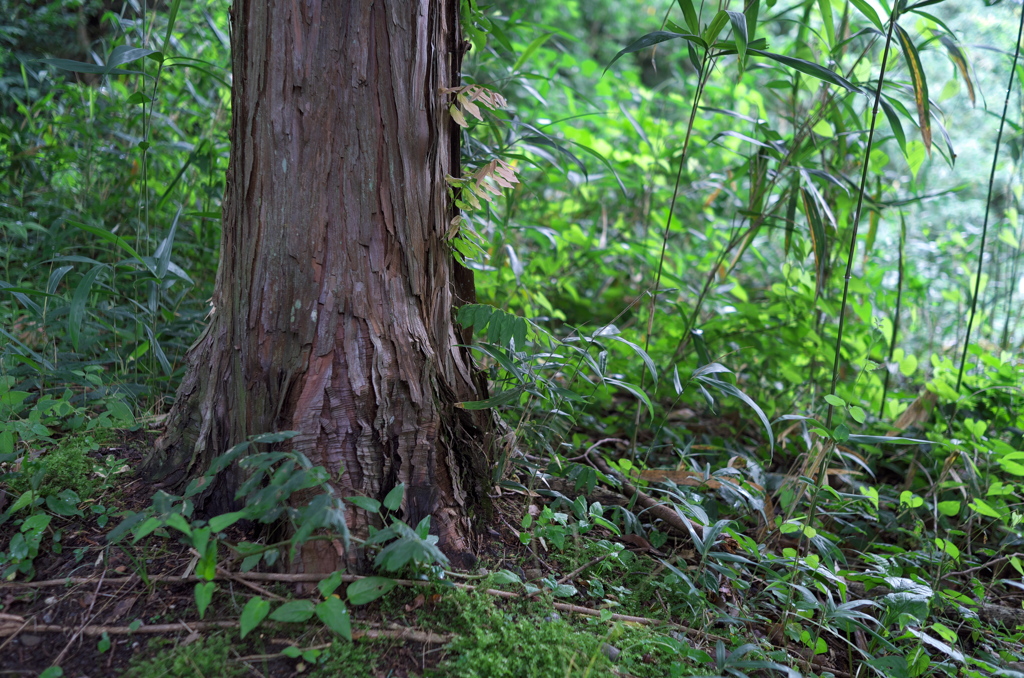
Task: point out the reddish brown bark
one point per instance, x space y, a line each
334 296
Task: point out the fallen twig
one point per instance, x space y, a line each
994 561
572 575
349 578
660 510
99 630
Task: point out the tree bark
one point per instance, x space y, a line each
333 303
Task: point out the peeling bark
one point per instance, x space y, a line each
334 296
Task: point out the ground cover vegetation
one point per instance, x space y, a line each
749 288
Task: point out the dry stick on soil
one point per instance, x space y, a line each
258 589
347 578
659 510
99 630
579 569
994 561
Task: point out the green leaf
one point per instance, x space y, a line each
960 61
894 123
917 77
124 54
333 613
982 507
294 611
64 504
226 520
203 595
825 6
648 362
689 16
869 12
366 503
880 440
369 589
719 21
76 312
739 32
519 334
172 15
729 389
502 398
810 68
858 414
328 585
635 391
835 401
52 672
530 49
253 613
653 39
751 10
505 577
82 67
112 238
393 500
948 508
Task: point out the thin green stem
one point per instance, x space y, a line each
988 205
857 214
896 315
702 77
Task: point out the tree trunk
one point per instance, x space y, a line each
333 305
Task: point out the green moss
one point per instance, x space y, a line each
518 639
525 648
205 658
67 465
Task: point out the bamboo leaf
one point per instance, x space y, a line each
895 124
869 12
715 27
537 43
653 39
825 6
502 398
77 311
739 33
817 230
791 215
956 55
917 76
751 12
690 16
810 68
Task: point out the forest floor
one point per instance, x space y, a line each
572 599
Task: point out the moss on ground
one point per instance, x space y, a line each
206 658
